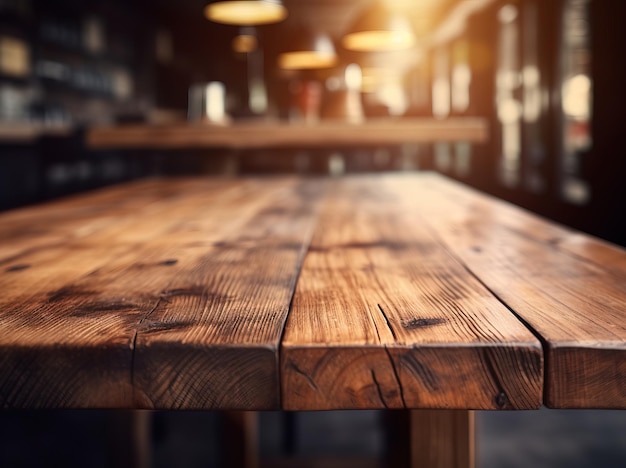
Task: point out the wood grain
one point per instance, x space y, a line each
384 317
415 292
569 288
272 135
150 309
526 224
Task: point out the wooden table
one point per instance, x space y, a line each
372 292
261 134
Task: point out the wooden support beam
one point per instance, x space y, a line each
442 439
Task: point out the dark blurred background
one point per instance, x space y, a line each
538 439
548 77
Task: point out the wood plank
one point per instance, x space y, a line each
569 296
246 135
36 310
56 223
164 318
384 317
50 246
596 251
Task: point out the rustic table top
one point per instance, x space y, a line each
383 291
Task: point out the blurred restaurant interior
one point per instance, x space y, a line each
522 99
544 79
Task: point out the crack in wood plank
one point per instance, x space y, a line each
133 345
307 377
378 389
382 311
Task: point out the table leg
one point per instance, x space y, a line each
239 439
442 439
130 439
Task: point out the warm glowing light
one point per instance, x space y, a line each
441 97
380 29
509 111
374 78
461 80
441 84
455 22
379 40
353 76
531 76
306 60
576 94
246 12
214 96
316 51
507 14
393 96
245 43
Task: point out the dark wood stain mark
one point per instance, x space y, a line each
169 262
555 241
420 371
103 307
477 249
158 326
252 244
28 252
422 323
275 211
501 400
68 292
15 268
195 291
394 246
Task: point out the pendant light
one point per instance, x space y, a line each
379 29
308 51
246 12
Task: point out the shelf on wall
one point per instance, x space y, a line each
27 132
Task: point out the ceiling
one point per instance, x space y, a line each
335 17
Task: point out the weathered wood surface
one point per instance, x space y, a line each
272 134
568 287
384 317
363 292
160 295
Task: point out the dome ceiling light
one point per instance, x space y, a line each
379 29
246 12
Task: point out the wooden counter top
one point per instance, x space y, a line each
247 135
394 291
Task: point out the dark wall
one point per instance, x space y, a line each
539 181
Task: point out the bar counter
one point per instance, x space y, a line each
262 134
